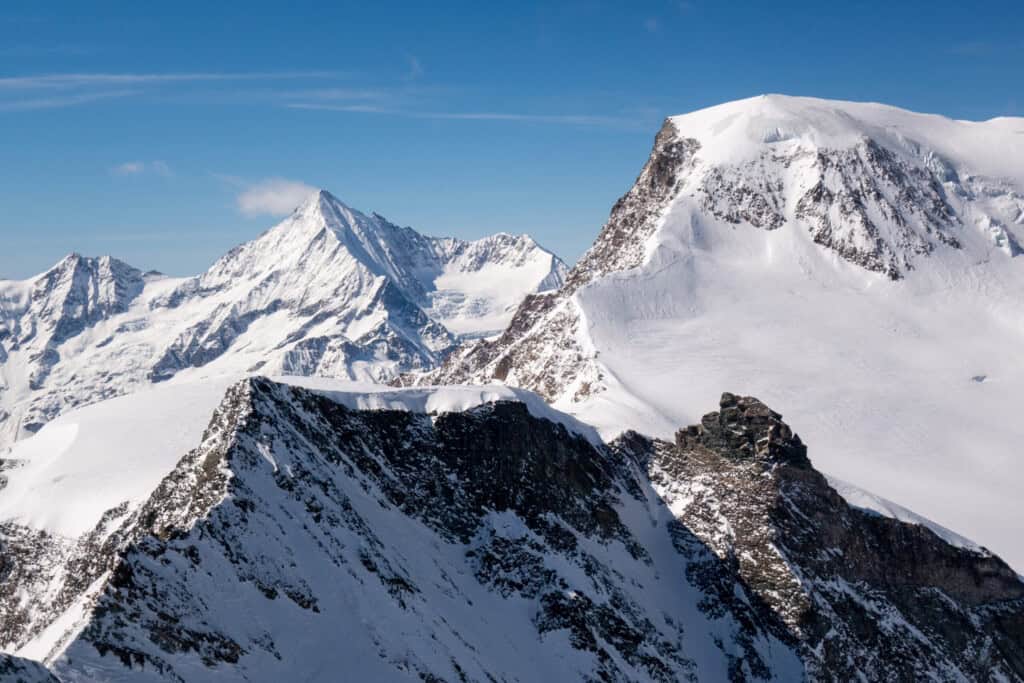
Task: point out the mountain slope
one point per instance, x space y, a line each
868 596
855 264
18 670
306 535
329 291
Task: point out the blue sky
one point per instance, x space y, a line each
166 133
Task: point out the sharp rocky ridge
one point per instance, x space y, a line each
499 542
329 291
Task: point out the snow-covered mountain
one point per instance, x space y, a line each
318 529
856 265
329 291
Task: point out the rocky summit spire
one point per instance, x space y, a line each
745 428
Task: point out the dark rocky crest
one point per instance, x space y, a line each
745 428
723 555
621 243
863 594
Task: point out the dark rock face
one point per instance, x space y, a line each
539 347
291 504
742 196
723 556
862 186
863 594
745 428
621 242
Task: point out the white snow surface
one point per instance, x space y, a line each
739 131
911 388
92 459
866 500
479 288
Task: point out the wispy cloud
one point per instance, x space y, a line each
130 168
61 101
565 119
273 196
342 94
359 108
409 100
652 25
49 91
139 167
574 119
80 80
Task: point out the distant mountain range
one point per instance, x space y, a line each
329 291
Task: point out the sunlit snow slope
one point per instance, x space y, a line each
855 265
328 292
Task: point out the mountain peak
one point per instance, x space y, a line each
68 261
327 291
318 202
742 129
756 250
744 427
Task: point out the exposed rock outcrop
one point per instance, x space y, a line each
865 595
436 544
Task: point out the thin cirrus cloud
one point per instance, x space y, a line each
566 119
61 101
140 167
79 80
55 91
273 196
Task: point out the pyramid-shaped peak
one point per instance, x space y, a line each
317 201
334 212
325 197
